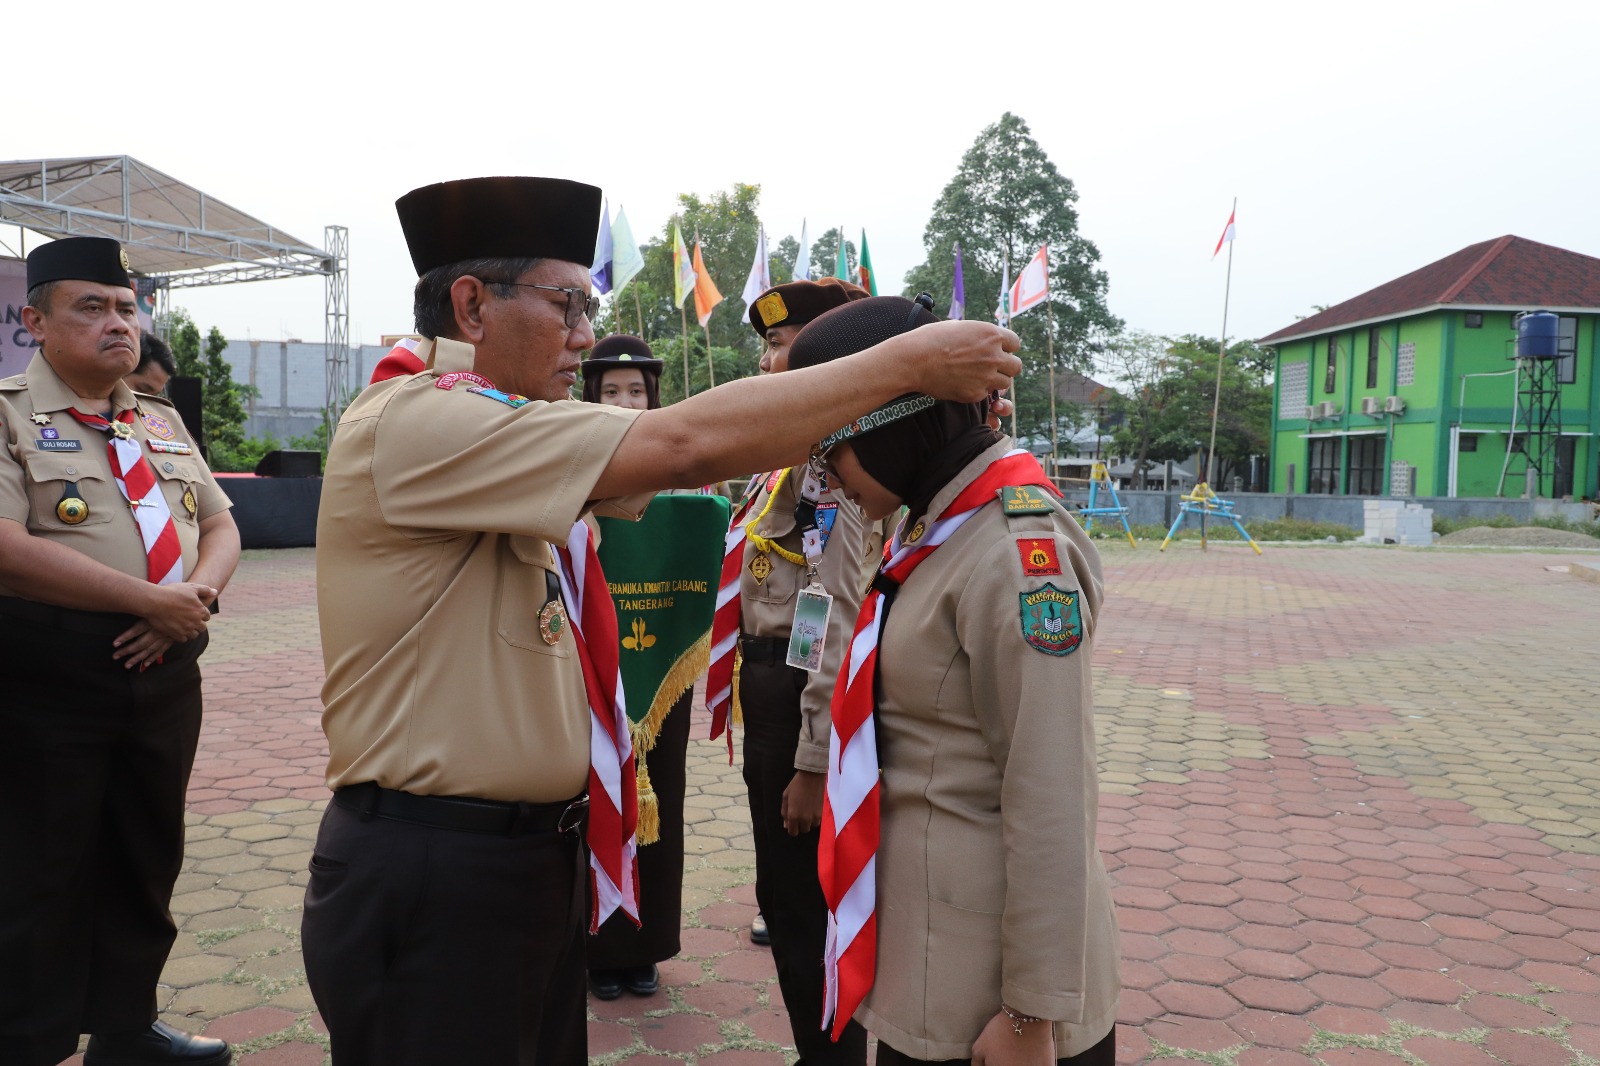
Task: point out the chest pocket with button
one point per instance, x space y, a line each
48 478
179 478
526 568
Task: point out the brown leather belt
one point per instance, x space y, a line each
464 814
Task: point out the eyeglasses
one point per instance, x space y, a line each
822 463
579 303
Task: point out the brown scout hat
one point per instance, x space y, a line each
618 350
799 302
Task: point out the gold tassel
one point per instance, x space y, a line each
737 714
649 826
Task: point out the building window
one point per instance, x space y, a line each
1372 358
1405 367
1322 466
1567 352
1474 319
1330 377
1467 442
1294 387
1366 466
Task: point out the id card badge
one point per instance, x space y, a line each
810 628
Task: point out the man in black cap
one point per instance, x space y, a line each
114 542
469 721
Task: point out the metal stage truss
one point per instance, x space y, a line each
176 235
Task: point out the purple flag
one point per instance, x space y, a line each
958 298
600 273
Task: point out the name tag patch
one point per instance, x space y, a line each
59 445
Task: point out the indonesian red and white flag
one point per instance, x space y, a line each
1032 286
1227 234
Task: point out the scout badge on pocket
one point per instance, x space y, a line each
810 628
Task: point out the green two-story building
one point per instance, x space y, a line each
1412 388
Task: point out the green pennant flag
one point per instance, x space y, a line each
841 262
663 572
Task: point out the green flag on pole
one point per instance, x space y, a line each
841 262
869 280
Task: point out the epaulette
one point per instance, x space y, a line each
1024 499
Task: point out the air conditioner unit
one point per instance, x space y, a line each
1369 405
1313 412
1329 409
1394 405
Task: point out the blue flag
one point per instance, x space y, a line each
958 296
601 271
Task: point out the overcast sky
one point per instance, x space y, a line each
1362 140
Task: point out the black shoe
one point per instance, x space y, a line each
758 930
159 1045
642 980
604 984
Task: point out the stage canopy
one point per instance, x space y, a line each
176 235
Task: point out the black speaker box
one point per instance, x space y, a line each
290 464
185 394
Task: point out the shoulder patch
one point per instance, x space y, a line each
510 399
1052 621
1024 499
1039 556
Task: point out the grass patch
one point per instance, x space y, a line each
1445 526
1267 529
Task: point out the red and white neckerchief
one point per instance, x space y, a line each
847 854
401 361
613 790
137 480
725 622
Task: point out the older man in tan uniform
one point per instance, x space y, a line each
444 917
114 542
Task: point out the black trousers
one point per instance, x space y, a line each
91 826
619 943
425 946
1102 1054
787 889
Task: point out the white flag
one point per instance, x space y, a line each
760 279
1002 312
625 258
802 262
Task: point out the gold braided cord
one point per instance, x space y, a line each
766 544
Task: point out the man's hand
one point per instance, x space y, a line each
1000 409
1000 1045
802 802
179 612
140 646
965 361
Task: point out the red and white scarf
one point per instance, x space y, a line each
137 480
613 790
847 855
725 622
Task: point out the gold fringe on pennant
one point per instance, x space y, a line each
679 679
648 830
736 716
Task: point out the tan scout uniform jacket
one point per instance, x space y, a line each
766 607
990 884
40 461
439 508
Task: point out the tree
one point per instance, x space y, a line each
1147 411
825 254
1007 199
222 415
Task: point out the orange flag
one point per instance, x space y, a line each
706 295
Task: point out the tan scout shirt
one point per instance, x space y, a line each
990 885
41 460
439 508
767 606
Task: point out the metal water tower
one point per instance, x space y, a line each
1539 396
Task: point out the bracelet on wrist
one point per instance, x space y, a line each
1017 1018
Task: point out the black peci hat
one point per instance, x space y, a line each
798 302
98 259
476 218
619 350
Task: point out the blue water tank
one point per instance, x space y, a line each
1538 335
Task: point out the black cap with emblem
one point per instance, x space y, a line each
502 218
98 259
798 302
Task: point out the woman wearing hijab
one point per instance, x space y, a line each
622 371
970 916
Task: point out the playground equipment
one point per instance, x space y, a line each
1098 477
1206 504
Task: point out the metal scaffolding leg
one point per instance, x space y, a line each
336 329
1540 422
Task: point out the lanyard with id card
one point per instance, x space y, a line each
813 604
